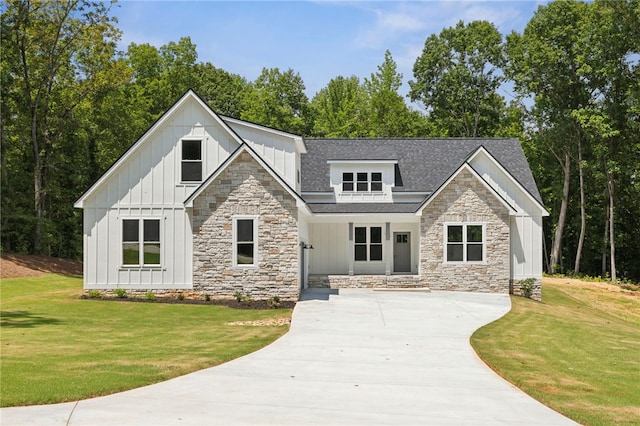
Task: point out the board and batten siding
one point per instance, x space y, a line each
277 151
525 226
147 185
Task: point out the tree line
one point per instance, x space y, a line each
72 104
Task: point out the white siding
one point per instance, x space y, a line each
147 185
526 247
276 150
330 253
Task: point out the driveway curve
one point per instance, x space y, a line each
353 356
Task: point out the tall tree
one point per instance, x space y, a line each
544 63
457 77
340 110
61 52
277 99
221 90
390 116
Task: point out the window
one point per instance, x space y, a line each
141 245
245 240
465 243
191 161
347 182
365 182
368 243
376 182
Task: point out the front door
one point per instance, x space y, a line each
401 252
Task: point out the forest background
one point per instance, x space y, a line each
72 103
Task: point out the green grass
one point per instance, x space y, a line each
578 352
57 347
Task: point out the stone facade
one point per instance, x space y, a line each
465 200
365 281
246 188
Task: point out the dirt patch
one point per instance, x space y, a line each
19 265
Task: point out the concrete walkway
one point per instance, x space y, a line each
353 357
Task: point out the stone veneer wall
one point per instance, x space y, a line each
246 188
465 199
365 281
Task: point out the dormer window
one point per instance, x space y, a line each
365 182
191 169
347 181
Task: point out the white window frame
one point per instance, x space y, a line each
234 230
368 243
141 242
465 243
182 161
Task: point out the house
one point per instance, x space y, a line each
204 204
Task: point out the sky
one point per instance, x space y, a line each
320 40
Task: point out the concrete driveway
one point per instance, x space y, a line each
352 357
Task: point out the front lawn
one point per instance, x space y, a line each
577 352
57 347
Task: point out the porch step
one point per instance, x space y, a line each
404 289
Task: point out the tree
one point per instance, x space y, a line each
456 79
543 63
390 116
59 54
224 92
340 109
277 99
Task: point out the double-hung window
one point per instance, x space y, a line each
367 243
245 241
465 242
141 242
191 167
347 181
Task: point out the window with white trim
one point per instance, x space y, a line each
245 241
365 182
141 244
367 243
465 243
191 166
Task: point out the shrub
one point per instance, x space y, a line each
120 292
207 298
94 294
273 302
527 286
150 295
180 296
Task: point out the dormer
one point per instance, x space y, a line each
362 181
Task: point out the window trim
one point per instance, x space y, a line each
141 242
368 243
234 237
464 243
182 161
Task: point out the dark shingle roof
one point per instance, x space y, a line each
423 164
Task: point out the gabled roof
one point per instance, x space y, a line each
189 95
466 166
423 164
244 147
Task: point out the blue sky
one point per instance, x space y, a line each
318 39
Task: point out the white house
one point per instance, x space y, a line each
206 204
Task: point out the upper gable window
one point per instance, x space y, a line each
347 181
191 170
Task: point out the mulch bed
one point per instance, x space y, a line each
231 303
